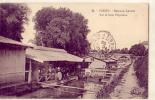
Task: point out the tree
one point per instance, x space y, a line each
12 18
115 51
62 28
141 70
124 50
138 50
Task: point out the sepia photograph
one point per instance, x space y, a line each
74 50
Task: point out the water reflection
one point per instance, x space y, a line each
92 90
80 89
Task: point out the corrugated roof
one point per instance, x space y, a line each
42 54
5 40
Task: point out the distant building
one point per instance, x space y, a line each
96 68
146 44
110 63
99 68
12 61
123 59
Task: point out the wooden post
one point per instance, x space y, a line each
46 73
30 72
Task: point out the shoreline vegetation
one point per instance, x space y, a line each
140 65
141 70
105 91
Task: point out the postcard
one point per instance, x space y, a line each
74 50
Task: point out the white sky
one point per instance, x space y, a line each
126 30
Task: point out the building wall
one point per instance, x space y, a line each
12 65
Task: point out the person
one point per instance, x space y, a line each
59 75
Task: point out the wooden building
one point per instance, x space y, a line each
123 59
12 61
96 68
110 63
41 62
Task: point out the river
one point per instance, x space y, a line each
62 92
124 89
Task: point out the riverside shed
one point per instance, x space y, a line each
12 61
40 60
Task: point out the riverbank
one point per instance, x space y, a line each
127 87
106 90
89 89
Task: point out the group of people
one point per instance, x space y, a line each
57 73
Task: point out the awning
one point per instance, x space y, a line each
42 54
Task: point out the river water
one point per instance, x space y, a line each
62 92
122 91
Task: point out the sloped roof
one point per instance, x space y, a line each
116 56
123 57
97 64
5 40
109 60
49 49
42 54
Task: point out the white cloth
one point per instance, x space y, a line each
59 75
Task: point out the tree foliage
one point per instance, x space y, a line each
115 51
138 50
124 51
61 28
12 18
141 69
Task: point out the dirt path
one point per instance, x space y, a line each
128 83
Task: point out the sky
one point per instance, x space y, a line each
127 23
